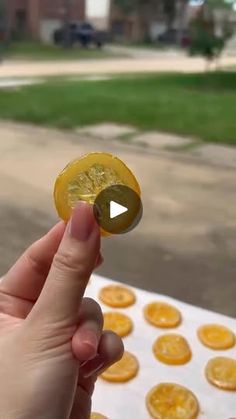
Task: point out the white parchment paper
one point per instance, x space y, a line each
127 400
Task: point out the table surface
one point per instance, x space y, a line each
127 400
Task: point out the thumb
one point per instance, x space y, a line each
72 266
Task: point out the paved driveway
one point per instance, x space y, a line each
185 245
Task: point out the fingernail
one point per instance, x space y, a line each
92 367
82 222
90 340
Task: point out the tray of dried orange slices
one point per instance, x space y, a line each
179 361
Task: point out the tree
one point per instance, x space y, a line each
204 40
66 39
175 9
220 4
5 25
169 8
127 6
2 11
147 10
2 27
144 10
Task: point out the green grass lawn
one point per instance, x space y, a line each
201 105
38 51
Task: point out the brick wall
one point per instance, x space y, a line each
37 10
33 18
56 8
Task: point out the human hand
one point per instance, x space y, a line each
51 342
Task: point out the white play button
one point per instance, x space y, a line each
116 209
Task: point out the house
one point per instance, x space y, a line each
37 19
221 16
97 12
151 22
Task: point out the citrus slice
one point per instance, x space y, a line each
119 323
123 370
216 336
117 296
221 372
95 415
172 401
84 178
161 314
172 349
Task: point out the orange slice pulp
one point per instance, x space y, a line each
161 314
95 415
123 370
119 323
221 372
84 178
117 296
172 401
172 349
216 336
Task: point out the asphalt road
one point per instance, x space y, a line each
185 244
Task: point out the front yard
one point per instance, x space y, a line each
197 105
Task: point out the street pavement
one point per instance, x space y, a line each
135 61
185 245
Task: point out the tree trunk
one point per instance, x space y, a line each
66 22
5 13
182 13
144 16
169 7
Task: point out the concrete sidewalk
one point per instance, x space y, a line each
185 244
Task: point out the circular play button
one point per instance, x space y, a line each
118 209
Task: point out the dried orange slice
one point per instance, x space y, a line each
119 323
123 370
216 336
95 415
172 401
84 178
172 349
221 372
161 314
117 296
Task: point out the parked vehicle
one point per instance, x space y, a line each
79 32
2 32
173 37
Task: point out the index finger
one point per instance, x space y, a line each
26 278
